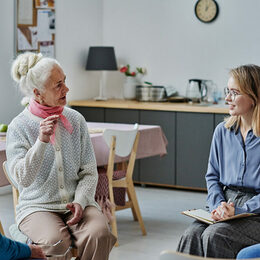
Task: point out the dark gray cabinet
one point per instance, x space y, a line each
193 138
159 169
219 118
124 116
92 114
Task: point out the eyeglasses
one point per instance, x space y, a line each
55 244
59 255
233 94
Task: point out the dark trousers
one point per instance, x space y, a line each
224 239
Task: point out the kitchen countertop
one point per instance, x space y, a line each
220 108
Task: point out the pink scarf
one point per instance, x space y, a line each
44 111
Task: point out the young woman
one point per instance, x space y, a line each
233 173
51 157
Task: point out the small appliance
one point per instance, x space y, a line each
197 90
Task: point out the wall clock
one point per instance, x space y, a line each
206 10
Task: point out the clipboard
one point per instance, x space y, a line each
204 216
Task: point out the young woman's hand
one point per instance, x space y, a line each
224 210
76 211
47 127
36 252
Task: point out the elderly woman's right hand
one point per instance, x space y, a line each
47 127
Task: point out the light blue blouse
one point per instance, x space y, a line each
233 162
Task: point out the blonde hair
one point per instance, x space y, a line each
248 79
31 70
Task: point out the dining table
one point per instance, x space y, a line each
152 142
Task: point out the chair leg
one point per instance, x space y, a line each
1 229
132 208
114 226
113 213
131 190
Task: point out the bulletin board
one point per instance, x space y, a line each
35 26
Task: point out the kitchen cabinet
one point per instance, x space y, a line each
159 169
91 114
219 118
188 129
193 138
124 116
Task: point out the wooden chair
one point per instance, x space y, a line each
16 198
173 255
123 143
1 229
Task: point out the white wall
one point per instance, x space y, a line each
162 35
9 96
167 38
78 26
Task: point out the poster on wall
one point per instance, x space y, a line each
27 38
25 12
47 49
43 24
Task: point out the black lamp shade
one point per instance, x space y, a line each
101 58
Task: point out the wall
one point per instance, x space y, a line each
167 38
78 26
9 96
162 35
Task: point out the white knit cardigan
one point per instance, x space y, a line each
50 176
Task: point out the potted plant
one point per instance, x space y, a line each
132 80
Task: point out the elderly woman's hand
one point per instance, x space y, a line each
76 211
47 127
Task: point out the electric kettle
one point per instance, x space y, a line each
196 90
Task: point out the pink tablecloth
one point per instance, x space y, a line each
152 142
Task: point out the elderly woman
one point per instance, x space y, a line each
51 157
233 174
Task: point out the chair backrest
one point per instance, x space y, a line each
124 140
14 185
9 176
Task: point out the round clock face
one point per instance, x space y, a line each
206 10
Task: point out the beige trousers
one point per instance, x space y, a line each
91 235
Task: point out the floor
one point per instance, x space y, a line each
163 221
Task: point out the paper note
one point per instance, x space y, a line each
43 21
27 38
47 49
25 12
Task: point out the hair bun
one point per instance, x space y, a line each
23 63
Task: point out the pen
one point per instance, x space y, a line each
222 213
